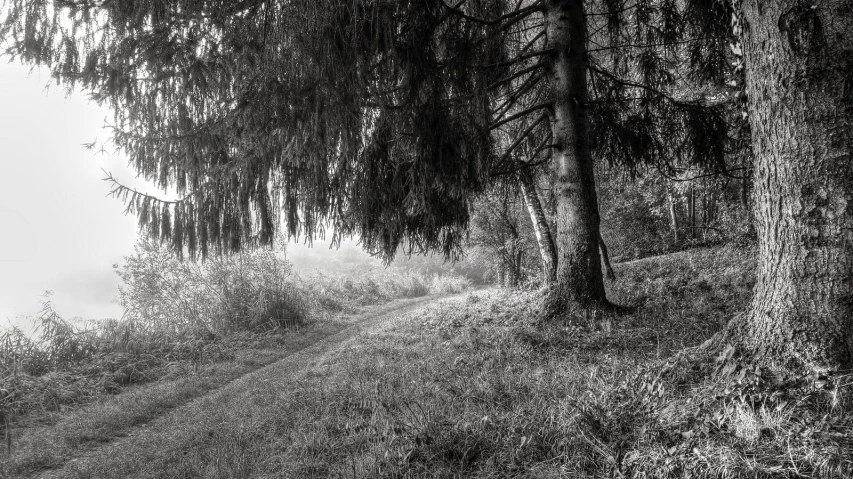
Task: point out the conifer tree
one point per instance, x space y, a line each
381 118
799 59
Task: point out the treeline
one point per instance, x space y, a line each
645 216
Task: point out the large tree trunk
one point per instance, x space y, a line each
799 60
579 278
540 226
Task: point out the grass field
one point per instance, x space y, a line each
476 386
189 329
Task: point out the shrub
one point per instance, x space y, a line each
250 291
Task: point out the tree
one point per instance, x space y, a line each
500 235
381 118
799 59
541 228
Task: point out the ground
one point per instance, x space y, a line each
477 386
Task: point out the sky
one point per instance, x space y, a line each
59 229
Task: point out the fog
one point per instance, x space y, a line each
59 230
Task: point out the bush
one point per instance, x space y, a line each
247 292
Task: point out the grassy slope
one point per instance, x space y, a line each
474 387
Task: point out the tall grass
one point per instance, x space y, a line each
68 362
179 315
250 291
376 285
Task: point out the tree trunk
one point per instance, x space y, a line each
673 217
799 60
605 257
579 278
691 211
540 226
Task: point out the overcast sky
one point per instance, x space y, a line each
58 230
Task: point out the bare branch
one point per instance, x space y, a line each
522 137
518 115
516 14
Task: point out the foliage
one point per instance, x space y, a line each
502 237
637 214
250 291
382 118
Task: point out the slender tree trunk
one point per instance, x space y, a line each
712 208
519 262
579 278
540 226
704 213
605 257
673 217
691 211
799 58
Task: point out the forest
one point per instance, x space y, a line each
616 238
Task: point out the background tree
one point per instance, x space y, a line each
540 223
503 236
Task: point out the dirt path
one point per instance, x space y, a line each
220 409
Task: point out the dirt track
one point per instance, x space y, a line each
220 409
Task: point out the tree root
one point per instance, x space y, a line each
598 314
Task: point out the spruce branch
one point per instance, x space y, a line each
522 137
122 191
515 75
515 14
629 83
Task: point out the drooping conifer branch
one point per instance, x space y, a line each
381 118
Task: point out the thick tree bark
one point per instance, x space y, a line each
579 278
540 226
799 58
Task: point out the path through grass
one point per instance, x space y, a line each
476 386
90 432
